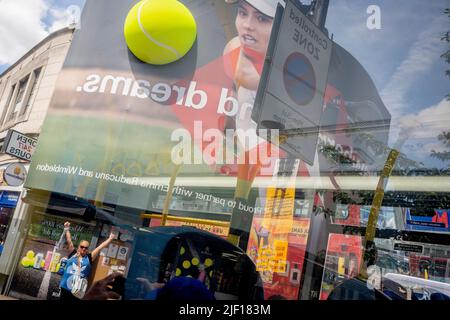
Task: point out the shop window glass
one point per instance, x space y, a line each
355 190
33 90
5 220
8 201
19 98
8 101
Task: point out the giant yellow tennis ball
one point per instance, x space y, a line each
160 31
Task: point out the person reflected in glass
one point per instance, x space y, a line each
78 263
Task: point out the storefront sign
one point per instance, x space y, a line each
19 145
217 230
402 246
436 220
294 95
15 174
8 199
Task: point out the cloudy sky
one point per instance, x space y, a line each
403 57
23 23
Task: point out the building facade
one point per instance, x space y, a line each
26 89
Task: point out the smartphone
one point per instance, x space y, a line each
118 286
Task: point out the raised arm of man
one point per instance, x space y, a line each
68 237
105 243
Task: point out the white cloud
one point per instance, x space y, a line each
423 54
421 132
61 19
22 26
429 122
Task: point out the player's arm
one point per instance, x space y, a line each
68 236
246 74
230 58
231 45
241 70
105 243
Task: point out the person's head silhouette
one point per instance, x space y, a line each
185 289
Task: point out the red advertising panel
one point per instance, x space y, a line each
342 261
281 285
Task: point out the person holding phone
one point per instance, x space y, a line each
78 266
111 287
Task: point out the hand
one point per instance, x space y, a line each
66 224
112 236
148 286
101 291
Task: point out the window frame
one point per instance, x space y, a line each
35 77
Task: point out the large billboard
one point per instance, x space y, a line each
116 124
118 128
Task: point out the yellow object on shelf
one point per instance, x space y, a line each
30 254
27 262
341 266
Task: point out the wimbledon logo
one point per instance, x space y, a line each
160 31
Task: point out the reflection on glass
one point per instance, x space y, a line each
288 225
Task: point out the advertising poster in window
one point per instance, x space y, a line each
278 249
131 125
285 283
427 219
430 266
343 260
357 215
138 121
38 272
277 222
